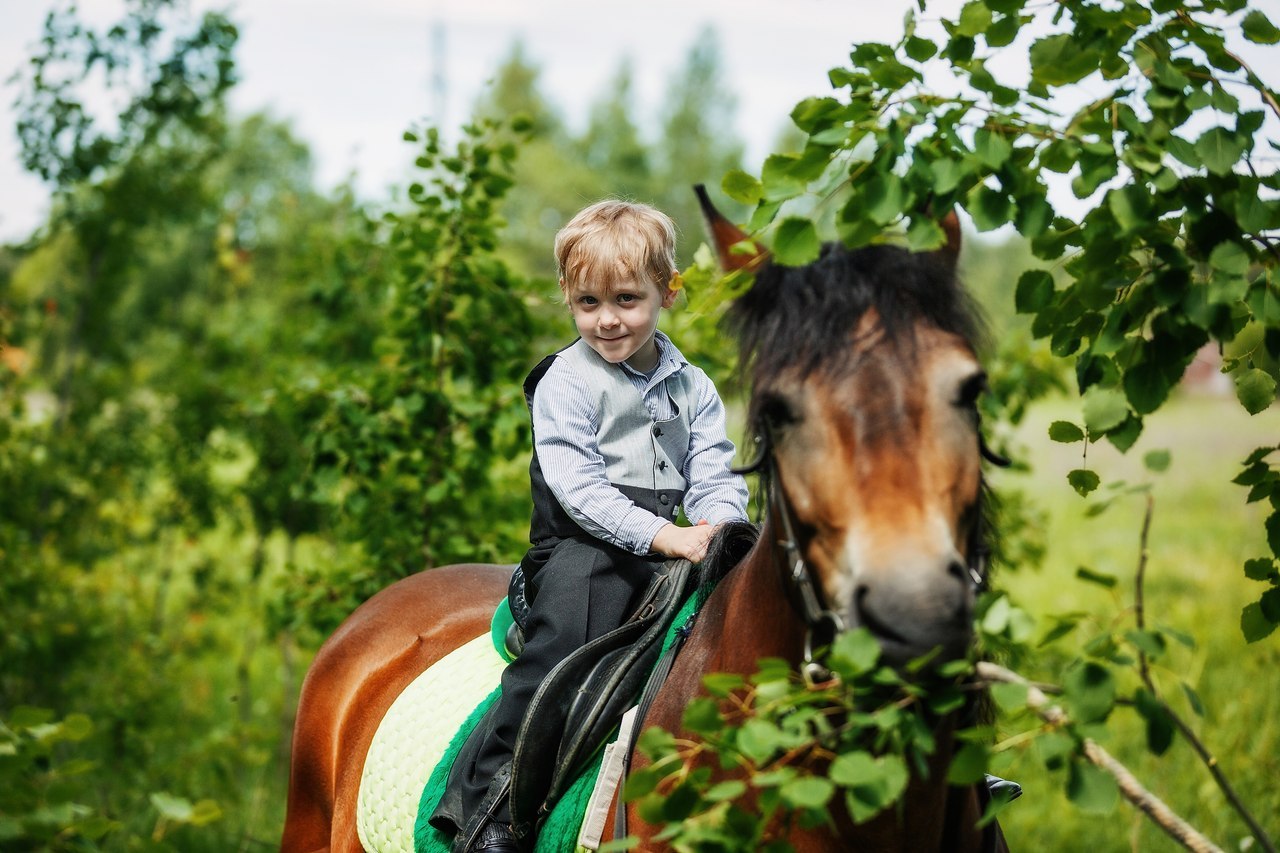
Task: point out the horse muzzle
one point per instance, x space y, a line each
915 606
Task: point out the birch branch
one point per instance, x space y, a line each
1130 787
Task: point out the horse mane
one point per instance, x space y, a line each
728 548
802 317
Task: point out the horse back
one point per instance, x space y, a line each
356 675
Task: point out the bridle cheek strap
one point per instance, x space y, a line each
804 590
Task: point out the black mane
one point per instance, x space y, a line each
802 317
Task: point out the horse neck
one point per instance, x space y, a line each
751 613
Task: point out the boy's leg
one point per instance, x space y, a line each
584 591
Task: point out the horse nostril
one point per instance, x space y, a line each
957 570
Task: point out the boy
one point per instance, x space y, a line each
625 431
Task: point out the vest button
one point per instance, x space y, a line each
664 500
657 430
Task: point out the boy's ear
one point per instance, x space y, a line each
669 297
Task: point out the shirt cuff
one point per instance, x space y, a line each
644 545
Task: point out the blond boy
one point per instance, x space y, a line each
625 432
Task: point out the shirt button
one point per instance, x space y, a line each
662 466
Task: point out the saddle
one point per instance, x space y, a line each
582 699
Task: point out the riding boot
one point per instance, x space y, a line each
489 828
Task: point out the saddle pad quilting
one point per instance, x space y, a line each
412 738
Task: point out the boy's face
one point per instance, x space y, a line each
618 321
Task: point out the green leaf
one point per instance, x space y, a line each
919 49
883 196
1260 569
996 619
702 716
1104 409
925 235
1065 432
1157 460
1254 625
854 653
1083 481
741 187
1034 291
759 739
1256 390
1150 643
975 17
173 808
1091 789
1099 578
1010 697
969 764
730 789
1258 29
1193 698
721 684
1059 60
1147 385
1270 604
1219 150
989 209
1090 690
991 148
1124 436
796 242
807 792
1230 257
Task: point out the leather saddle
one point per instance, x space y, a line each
582 699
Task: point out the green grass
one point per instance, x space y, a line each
1201 533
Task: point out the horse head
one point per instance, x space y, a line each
864 383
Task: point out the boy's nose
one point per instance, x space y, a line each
608 319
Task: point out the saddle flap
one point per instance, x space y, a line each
581 700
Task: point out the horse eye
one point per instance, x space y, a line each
776 411
970 390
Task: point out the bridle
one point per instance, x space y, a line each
801 583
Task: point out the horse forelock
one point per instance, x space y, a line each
807 319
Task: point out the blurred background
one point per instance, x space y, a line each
228 412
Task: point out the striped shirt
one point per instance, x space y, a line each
565 423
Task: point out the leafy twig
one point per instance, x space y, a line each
1210 762
1133 790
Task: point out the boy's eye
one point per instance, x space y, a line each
586 300
626 298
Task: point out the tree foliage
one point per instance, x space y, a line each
1174 248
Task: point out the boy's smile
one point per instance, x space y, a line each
618 321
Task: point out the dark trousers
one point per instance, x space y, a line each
585 589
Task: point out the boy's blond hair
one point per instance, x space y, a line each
612 241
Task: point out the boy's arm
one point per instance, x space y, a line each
564 429
715 494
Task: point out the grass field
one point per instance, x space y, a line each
1201 533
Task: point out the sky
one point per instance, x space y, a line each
352 76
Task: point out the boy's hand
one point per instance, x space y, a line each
688 542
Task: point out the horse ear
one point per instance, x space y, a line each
726 235
950 251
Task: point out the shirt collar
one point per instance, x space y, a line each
670 361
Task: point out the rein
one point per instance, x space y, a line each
803 588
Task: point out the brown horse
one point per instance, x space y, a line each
863 385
